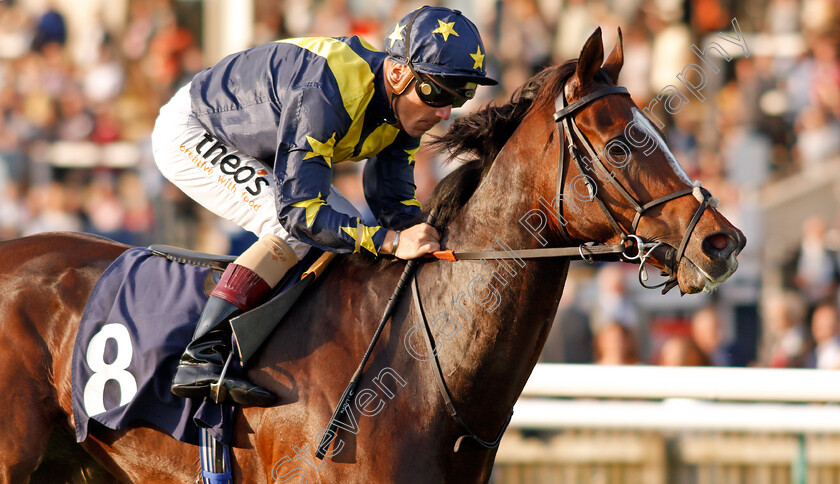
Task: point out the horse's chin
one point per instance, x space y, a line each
692 279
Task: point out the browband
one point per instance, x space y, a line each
562 112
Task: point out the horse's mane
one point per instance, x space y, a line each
480 136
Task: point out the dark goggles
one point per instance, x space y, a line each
437 92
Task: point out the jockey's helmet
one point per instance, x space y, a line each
445 54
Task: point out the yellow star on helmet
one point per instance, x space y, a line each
366 234
324 149
445 29
396 34
478 57
312 206
411 154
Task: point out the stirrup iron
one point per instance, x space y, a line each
218 392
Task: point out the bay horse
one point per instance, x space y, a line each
401 432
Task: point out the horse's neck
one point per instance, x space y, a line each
503 328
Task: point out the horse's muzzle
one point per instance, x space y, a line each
722 245
718 262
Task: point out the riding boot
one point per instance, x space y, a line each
239 289
202 362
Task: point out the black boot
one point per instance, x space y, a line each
202 362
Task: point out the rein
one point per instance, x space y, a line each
441 383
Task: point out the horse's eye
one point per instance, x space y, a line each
617 153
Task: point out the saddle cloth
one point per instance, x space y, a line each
138 319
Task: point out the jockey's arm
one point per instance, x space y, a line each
310 129
389 188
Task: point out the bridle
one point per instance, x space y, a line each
632 247
568 130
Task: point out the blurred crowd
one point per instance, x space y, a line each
75 119
800 321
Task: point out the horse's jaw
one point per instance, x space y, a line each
693 278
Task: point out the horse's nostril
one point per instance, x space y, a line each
718 241
719 246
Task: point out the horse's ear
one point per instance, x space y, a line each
616 59
590 60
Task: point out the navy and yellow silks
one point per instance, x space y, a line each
303 105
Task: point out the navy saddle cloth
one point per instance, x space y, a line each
138 320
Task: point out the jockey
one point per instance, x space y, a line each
254 139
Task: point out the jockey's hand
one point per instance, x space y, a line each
415 241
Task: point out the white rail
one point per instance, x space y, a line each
683 391
673 415
709 383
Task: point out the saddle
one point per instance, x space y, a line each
250 328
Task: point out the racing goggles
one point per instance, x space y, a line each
437 92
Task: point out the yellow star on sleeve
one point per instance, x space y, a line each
412 201
312 206
366 235
396 34
411 154
445 29
324 149
478 57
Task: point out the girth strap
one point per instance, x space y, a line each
441 384
215 459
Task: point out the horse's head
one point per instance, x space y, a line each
620 179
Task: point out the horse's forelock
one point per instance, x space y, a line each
556 78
